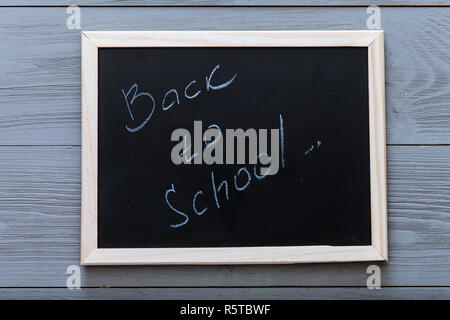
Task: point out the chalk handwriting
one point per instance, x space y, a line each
129 103
221 191
236 141
194 204
311 148
169 99
172 189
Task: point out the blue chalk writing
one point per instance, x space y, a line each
249 179
130 103
239 182
172 189
135 87
223 183
216 139
133 93
257 176
311 148
195 94
173 102
194 206
185 151
223 85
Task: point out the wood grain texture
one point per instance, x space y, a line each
89 162
40 91
267 38
377 133
251 3
227 293
40 229
40 103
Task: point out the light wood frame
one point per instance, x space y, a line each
92 255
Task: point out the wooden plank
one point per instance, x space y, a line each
377 132
228 293
40 229
251 3
218 39
89 148
40 94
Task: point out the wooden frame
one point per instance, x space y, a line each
92 255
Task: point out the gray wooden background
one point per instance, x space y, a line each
40 121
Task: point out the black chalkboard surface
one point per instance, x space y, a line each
317 98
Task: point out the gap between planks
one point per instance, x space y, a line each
226 287
231 6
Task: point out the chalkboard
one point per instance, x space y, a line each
156 187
